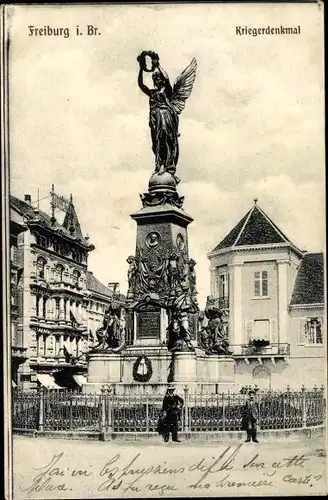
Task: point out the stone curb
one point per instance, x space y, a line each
221 436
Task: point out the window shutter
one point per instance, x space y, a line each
301 331
248 330
273 332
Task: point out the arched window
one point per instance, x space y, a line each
76 277
59 272
41 267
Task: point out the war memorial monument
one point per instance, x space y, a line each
157 336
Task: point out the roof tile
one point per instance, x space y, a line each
309 282
255 228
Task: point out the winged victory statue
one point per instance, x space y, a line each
166 104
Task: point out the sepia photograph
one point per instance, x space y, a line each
163 201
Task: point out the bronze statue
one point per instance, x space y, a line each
213 336
192 277
132 271
111 335
166 103
173 271
179 338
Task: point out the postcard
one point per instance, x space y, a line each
164 270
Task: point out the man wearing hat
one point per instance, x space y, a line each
250 417
172 406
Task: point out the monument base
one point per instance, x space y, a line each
104 366
202 374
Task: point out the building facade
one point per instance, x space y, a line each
50 330
18 351
99 298
272 296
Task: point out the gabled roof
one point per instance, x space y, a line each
94 285
33 216
309 282
255 228
71 221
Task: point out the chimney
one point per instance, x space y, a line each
27 198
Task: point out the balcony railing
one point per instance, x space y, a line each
19 352
222 302
273 349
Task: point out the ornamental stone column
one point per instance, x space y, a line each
283 300
74 346
61 308
40 345
79 314
68 308
74 308
236 307
61 344
40 307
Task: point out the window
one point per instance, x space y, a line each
59 272
57 309
76 277
44 307
261 284
223 286
261 329
76 255
313 331
40 267
43 241
13 254
221 282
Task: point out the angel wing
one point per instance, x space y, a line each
183 86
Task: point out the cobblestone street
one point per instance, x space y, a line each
45 468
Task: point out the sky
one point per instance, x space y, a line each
253 126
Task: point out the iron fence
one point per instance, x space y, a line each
111 413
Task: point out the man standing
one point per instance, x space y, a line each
172 406
250 418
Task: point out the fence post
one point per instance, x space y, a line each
70 410
223 411
303 406
147 414
109 410
322 405
186 409
41 409
103 412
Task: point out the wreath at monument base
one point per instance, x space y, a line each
138 377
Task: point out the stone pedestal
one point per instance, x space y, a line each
215 369
104 368
184 367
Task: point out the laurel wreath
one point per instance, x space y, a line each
147 376
142 60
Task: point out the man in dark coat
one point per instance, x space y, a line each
250 418
172 406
